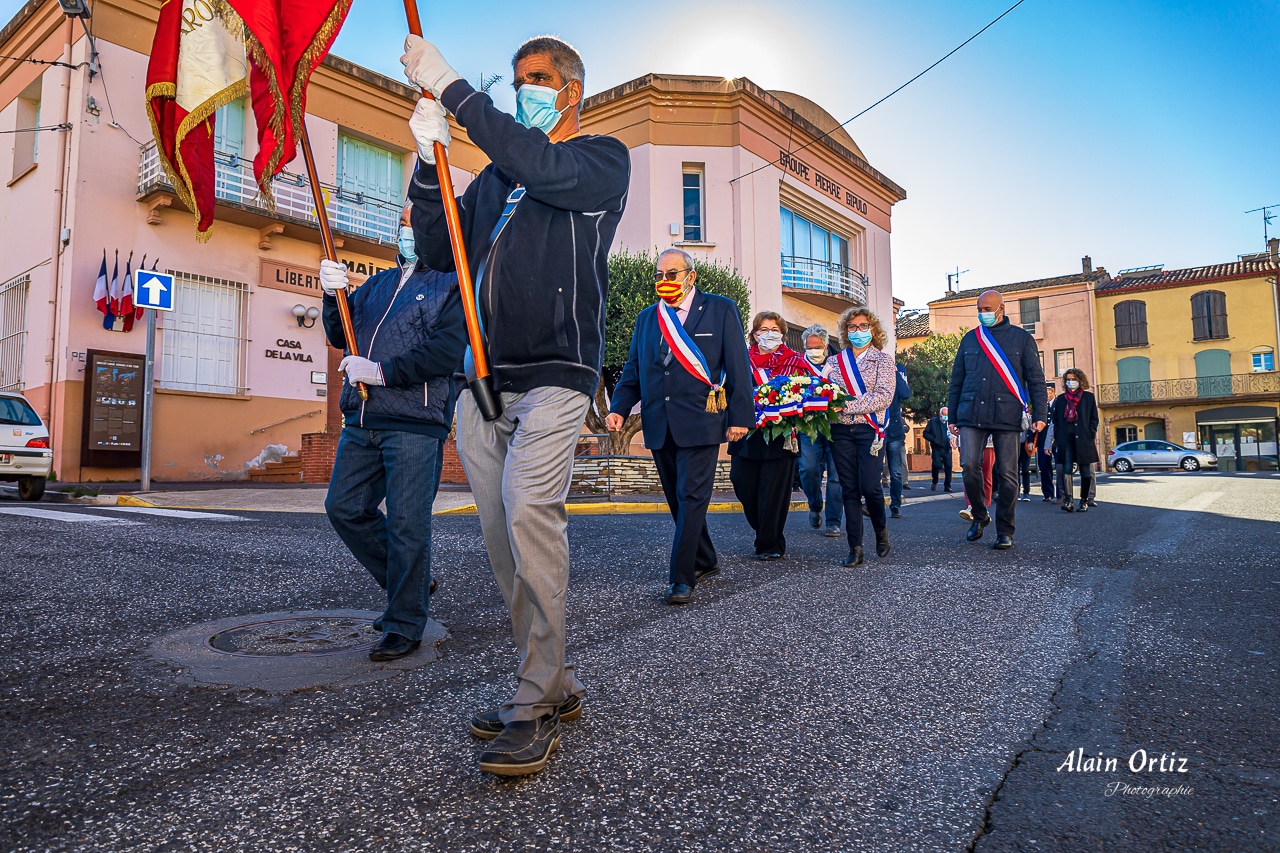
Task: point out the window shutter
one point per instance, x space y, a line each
1124 331
1217 314
1138 319
1200 316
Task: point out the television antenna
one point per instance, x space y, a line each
955 277
1267 216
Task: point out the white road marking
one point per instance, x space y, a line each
68 517
1200 502
172 513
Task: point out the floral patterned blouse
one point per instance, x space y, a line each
879 375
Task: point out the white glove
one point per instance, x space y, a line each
429 126
425 66
333 276
360 369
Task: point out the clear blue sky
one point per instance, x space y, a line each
1137 132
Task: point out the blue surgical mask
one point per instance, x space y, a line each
408 250
860 338
943 417
536 107
987 318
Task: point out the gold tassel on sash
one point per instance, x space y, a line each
716 401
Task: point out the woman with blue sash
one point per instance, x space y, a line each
868 376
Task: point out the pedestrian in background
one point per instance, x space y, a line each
1024 463
867 374
815 453
895 434
988 469
940 446
762 470
1044 452
1075 426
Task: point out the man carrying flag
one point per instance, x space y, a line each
997 391
684 344
537 223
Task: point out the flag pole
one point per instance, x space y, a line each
487 402
330 252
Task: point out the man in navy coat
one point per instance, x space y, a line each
683 436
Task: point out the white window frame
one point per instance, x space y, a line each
700 171
1058 367
1260 359
13 332
204 340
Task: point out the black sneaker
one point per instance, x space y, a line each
524 747
487 725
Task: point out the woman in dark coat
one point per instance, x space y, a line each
1075 431
761 471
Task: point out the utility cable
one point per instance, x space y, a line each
64 126
954 50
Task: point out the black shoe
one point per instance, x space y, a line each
815 519
948 489
431 590
487 725
1084 507
769 555
524 747
833 531
854 559
392 646
906 487
1067 507
698 577
895 513
975 529
1003 542
1092 502
934 487
1047 498
882 543
679 593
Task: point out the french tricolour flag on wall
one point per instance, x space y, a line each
102 293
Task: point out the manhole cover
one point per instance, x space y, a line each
309 636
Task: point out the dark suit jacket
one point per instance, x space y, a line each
669 397
938 436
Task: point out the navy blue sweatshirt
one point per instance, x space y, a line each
542 294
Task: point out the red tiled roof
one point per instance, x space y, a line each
912 325
1098 276
1192 275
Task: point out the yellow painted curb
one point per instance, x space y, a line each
130 500
625 508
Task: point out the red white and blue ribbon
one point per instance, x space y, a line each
1002 365
683 348
855 385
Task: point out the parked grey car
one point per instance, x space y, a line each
1158 454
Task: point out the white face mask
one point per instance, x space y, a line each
1073 384
769 340
816 354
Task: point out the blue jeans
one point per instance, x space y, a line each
404 468
815 458
894 449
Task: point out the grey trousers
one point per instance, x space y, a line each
520 467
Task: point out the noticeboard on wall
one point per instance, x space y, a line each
113 389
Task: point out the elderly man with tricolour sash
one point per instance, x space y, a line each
997 391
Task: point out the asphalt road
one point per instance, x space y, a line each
929 701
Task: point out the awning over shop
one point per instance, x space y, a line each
1235 414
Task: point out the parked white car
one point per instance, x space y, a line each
1158 454
24 446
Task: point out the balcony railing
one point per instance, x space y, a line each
824 277
349 212
1201 388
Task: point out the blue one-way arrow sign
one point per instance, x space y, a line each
153 290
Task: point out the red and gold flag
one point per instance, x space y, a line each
286 41
197 65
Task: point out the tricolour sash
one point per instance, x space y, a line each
854 383
690 357
1004 367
